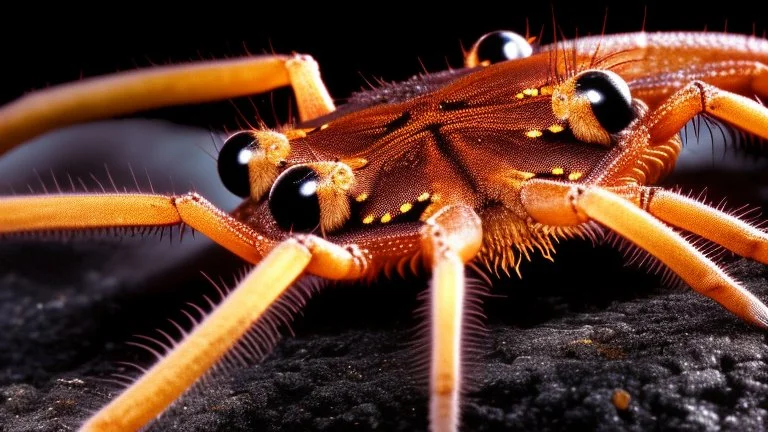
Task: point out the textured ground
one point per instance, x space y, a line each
561 342
556 354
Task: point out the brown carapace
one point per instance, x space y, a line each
488 164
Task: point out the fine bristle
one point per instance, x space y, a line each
250 349
474 334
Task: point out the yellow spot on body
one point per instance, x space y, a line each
405 207
574 176
362 197
557 171
519 95
386 218
368 219
545 91
324 127
531 92
555 128
533 133
423 197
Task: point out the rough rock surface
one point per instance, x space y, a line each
560 344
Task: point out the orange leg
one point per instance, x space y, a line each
557 203
130 92
684 259
726 230
61 212
312 97
666 121
167 380
699 97
450 238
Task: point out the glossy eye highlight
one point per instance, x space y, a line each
293 199
233 161
496 47
596 104
609 98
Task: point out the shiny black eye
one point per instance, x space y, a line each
293 199
233 162
609 97
500 46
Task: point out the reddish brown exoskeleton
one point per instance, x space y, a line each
521 148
